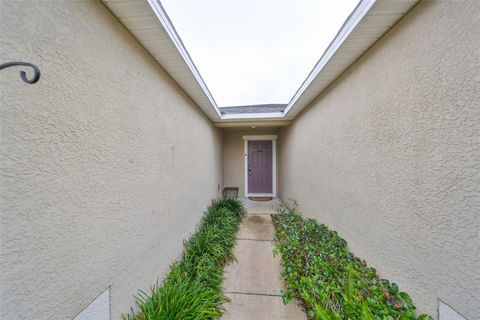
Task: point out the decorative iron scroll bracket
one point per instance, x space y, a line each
23 74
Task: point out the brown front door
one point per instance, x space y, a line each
260 166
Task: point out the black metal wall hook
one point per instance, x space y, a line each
23 74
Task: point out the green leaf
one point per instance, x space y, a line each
366 313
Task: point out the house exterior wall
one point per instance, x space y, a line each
233 156
389 156
106 164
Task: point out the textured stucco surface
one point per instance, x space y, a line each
233 156
389 156
106 165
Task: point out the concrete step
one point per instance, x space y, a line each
257 307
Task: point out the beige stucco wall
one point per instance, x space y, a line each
106 164
389 156
233 155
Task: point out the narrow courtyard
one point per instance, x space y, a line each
236 160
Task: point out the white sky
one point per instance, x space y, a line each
256 51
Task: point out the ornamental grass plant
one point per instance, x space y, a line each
192 290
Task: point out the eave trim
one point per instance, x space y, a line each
348 26
177 41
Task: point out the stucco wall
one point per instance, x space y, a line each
106 164
233 156
389 156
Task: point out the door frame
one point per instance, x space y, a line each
273 138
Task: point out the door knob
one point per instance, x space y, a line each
249 171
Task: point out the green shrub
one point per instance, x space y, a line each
192 289
328 280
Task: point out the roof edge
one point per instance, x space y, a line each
348 26
355 26
149 23
167 24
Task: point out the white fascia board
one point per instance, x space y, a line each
261 137
172 33
352 21
250 116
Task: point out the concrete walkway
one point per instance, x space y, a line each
253 282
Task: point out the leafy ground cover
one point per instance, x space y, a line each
192 288
327 279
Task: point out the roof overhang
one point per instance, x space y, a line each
148 22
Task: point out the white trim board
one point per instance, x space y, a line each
177 41
262 115
273 138
251 123
149 24
348 26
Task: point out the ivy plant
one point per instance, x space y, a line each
328 280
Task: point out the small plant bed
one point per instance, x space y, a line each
327 279
193 287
